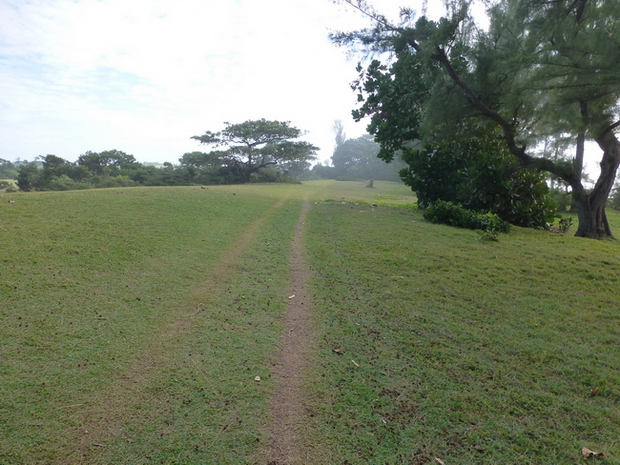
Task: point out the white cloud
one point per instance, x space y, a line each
143 76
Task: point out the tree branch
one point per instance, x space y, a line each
367 10
608 129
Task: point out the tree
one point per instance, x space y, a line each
357 158
338 129
477 171
320 171
540 70
7 169
107 163
253 145
464 163
29 177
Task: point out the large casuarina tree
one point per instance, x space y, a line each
544 68
252 145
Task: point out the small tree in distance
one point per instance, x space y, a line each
253 145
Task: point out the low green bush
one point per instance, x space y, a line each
455 215
65 183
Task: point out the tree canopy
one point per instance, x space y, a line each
253 145
358 158
7 169
542 69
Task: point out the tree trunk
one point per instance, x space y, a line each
580 151
246 175
591 207
592 218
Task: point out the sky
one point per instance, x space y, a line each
143 76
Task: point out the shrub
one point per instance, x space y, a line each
565 223
478 172
112 181
65 183
455 215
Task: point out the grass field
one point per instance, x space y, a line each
134 322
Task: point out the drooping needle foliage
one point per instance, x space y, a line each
541 70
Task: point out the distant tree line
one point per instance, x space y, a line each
114 168
253 151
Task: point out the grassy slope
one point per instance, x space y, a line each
92 279
470 351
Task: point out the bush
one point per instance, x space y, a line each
478 172
112 181
455 215
65 183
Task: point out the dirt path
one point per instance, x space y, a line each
287 408
104 416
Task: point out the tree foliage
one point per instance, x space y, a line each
541 70
113 168
7 169
253 145
358 158
479 173
107 163
464 162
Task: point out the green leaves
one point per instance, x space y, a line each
255 144
455 215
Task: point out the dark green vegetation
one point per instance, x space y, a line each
259 151
455 215
7 169
539 75
469 165
479 173
134 321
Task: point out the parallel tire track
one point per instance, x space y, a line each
103 417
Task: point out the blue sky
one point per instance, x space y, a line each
143 76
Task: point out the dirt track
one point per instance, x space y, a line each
287 406
103 418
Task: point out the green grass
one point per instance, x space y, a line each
133 322
383 192
469 351
90 282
